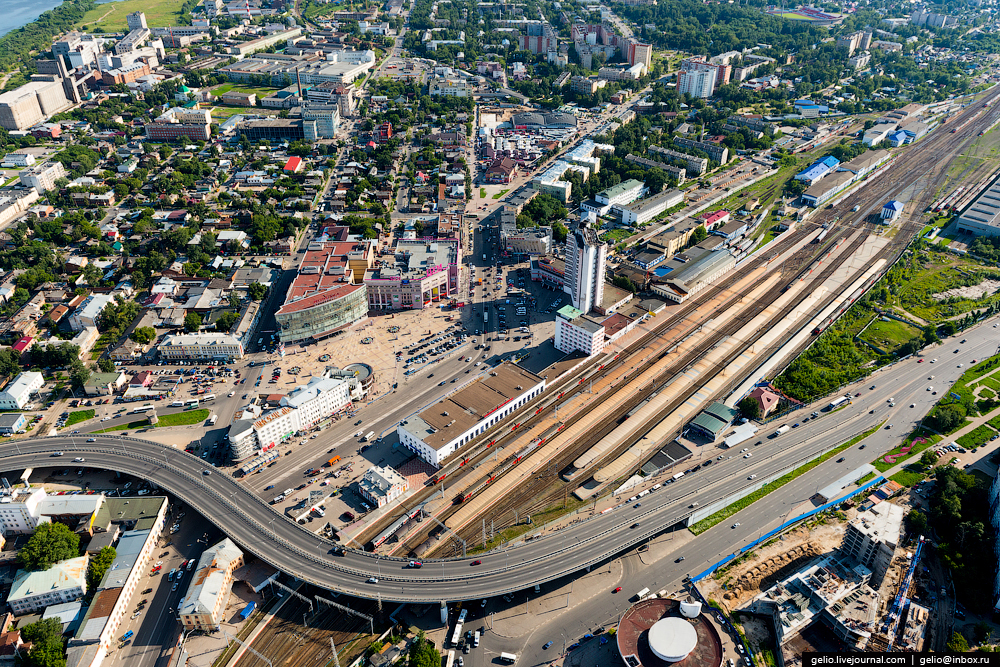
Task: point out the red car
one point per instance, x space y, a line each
617 590
477 562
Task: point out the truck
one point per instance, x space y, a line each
677 476
368 436
643 593
330 463
782 429
215 418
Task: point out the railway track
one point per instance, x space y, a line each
919 164
925 165
287 642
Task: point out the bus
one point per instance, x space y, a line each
451 659
508 658
141 410
368 437
215 418
209 397
191 405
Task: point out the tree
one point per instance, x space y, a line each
79 373
257 291
106 365
143 335
750 408
226 321
559 232
928 459
50 543
958 643
235 299
192 322
46 644
917 521
699 234
98 566
947 418
423 653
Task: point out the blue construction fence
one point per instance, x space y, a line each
727 624
767 536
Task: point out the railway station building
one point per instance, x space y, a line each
714 420
441 430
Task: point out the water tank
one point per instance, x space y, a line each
690 608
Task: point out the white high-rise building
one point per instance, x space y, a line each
136 21
697 78
586 256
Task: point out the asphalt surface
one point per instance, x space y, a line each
252 523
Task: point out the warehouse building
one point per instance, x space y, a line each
982 217
644 210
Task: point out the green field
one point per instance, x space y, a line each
888 334
176 419
976 437
897 455
260 91
79 416
908 477
110 17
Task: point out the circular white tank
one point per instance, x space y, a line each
690 608
672 639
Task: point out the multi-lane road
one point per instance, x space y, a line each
259 529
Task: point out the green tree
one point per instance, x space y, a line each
46 644
699 234
226 321
559 232
98 566
10 363
192 321
106 365
750 408
423 653
257 291
928 458
143 335
958 643
79 373
917 521
947 418
50 543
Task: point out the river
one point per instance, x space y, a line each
17 13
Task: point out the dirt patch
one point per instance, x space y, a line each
971 292
736 585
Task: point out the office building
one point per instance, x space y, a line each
852 42
693 164
872 537
320 121
64 581
622 193
302 408
422 274
642 211
586 255
18 393
338 67
381 485
201 347
442 429
577 332
637 52
448 87
204 605
136 21
179 122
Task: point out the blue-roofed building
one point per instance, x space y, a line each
897 139
892 210
818 170
809 109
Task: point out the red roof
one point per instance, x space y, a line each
22 345
715 216
294 164
319 299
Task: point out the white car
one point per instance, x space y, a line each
231 394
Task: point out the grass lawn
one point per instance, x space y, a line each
888 334
934 273
613 236
906 450
78 416
976 437
110 17
482 192
500 194
176 419
908 477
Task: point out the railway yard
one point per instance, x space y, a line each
599 423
